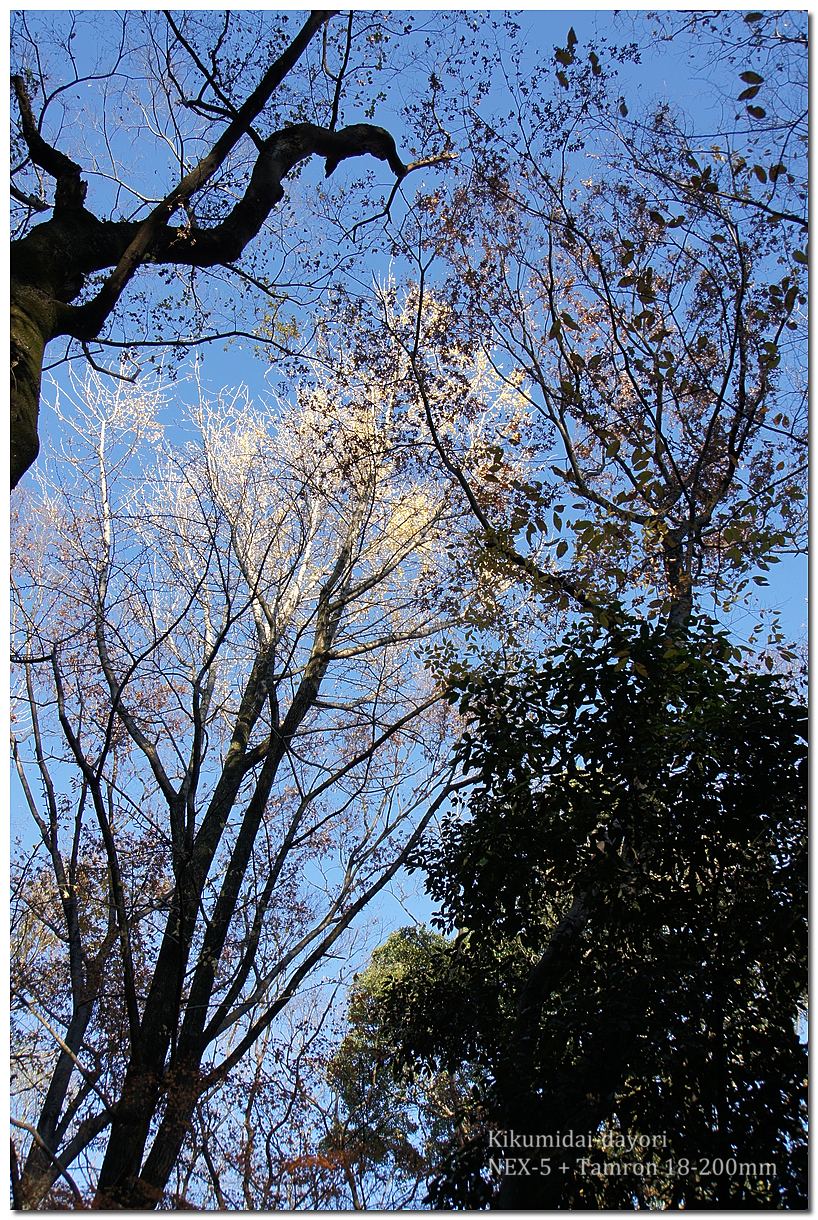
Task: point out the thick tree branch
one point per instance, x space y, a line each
50 264
66 173
155 241
91 316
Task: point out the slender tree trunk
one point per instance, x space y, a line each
38 1173
558 1106
118 1180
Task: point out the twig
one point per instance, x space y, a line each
386 211
106 372
339 79
230 110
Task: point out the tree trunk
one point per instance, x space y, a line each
173 1130
39 1173
119 1177
32 321
118 1184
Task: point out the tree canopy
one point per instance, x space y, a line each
627 884
423 435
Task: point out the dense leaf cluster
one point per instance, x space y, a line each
628 884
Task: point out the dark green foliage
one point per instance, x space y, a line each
393 1125
629 887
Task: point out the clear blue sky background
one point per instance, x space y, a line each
664 72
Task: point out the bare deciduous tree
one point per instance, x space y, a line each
223 734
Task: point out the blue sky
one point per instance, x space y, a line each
663 71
